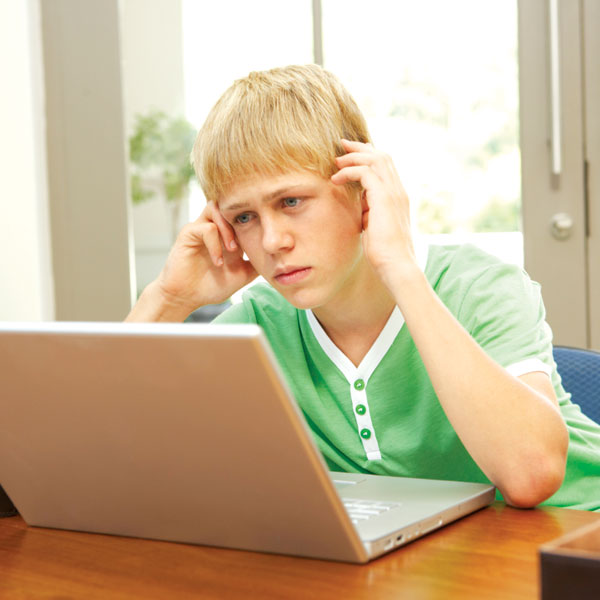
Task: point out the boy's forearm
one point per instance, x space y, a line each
153 307
491 411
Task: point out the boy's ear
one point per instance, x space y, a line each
363 200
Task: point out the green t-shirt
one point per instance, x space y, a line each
383 417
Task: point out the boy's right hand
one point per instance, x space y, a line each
205 266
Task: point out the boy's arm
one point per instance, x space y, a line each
510 425
205 266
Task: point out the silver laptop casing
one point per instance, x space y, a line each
187 433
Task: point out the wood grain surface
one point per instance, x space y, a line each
491 554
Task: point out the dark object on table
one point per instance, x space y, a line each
570 565
7 508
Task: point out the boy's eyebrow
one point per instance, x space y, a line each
286 189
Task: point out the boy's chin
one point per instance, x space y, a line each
301 300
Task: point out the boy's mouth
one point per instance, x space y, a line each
289 275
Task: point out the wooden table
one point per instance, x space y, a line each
491 554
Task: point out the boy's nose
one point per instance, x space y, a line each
275 236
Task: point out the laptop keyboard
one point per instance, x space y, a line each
362 510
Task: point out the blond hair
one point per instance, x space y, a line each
284 119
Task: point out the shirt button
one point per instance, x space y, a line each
361 409
359 384
365 433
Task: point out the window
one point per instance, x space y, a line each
438 83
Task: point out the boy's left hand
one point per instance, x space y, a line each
387 237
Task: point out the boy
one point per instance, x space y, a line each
436 367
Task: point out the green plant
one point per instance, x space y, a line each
159 151
498 215
434 215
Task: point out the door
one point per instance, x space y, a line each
559 56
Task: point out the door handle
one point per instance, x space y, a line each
561 226
555 88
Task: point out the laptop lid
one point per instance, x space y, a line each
181 432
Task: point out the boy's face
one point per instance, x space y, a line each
301 232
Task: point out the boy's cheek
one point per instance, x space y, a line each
247 241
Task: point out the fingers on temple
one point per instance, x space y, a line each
202 233
211 214
212 241
355 158
365 154
362 173
226 231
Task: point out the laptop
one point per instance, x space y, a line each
189 433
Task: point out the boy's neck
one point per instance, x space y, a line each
353 322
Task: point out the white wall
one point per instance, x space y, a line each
26 287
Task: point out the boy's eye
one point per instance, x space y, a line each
291 202
243 218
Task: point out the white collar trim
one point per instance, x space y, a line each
373 357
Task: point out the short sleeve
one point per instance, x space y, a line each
503 310
237 313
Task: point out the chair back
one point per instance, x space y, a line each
580 373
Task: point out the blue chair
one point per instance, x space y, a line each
580 373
